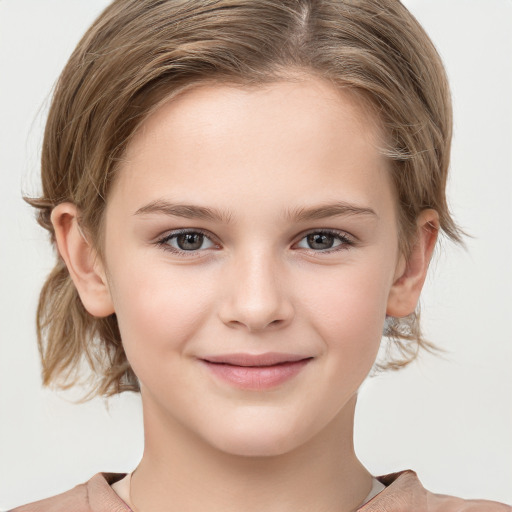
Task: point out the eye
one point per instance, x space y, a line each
325 241
186 241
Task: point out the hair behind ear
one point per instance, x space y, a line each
68 334
405 339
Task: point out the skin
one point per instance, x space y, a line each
255 285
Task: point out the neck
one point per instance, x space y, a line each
181 469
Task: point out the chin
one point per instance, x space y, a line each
263 437
257 446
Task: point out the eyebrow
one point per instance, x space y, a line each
300 214
337 209
187 211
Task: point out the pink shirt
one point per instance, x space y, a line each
403 493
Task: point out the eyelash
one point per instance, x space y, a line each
163 242
341 236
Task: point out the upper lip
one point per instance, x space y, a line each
267 359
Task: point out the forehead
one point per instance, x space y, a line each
304 104
288 139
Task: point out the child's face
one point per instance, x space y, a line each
258 170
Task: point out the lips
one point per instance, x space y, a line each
267 359
255 371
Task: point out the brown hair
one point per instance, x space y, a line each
141 52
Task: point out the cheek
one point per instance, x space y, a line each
157 309
348 311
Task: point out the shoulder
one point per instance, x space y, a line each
96 495
75 499
405 493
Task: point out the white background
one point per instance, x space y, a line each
449 419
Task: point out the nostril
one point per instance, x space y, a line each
255 313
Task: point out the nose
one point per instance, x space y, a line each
255 295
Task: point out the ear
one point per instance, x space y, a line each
83 264
412 271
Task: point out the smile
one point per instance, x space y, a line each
255 372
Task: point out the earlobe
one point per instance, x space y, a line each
81 259
405 291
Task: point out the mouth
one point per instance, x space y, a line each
255 371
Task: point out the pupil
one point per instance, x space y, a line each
190 241
320 241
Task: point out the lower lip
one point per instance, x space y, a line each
256 377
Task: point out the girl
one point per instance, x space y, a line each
245 196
